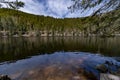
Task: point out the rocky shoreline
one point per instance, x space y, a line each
50 33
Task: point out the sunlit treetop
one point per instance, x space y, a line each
100 5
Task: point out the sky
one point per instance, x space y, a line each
54 8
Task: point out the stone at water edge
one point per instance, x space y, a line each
109 77
102 68
4 77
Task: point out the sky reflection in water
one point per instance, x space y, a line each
62 65
56 58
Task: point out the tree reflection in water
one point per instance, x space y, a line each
56 58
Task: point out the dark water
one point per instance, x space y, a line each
56 58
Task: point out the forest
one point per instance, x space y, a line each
17 23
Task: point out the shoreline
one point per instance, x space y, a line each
52 34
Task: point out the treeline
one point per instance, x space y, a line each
17 23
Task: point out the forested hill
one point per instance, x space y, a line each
17 23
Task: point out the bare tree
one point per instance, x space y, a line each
101 5
12 4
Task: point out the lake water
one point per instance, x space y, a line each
57 58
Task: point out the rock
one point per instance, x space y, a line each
109 77
118 72
4 77
76 78
102 68
109 63
117 59
79 77
16 35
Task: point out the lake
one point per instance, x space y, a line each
58 58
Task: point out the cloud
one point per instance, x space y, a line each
59 7
32 6
54 8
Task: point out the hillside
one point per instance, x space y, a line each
17 23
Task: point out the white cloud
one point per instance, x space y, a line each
32 6
59 6
55 8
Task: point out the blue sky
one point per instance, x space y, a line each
54 8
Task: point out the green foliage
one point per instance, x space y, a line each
17 21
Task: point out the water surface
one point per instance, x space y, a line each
57 58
